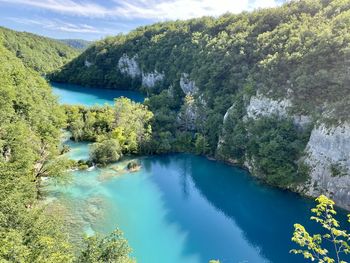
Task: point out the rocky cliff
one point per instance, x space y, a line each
328 156
327 153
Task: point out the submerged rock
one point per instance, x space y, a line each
133 166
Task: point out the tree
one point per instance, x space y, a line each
106 151
312 245
30 123
201 144
111 249
132 124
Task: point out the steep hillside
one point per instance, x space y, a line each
30 121
268 90
42 54
30 130
79 44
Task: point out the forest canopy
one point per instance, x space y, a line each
42 54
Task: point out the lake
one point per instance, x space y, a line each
74 94
185 208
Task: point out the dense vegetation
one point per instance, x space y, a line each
298 51
122 129
42 54
76 43
272 146
30 129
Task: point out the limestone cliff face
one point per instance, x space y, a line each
328 155
129 66
187 85
149 80
260 106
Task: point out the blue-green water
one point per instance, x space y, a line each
73 94
185 208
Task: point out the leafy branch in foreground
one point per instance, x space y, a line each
312 247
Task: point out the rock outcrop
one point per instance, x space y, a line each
149 80
261 105
328 156
327 152
129 66
188 86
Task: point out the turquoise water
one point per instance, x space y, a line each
73 94
186 208
182 208
78 151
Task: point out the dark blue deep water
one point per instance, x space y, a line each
186 208
183 208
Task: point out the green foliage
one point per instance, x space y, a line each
299 50
124 128
106 151
88 123
274 145
30 131
234 138
201 144
337 170
132 125
312 245
29 134
42 54
112 249
79 44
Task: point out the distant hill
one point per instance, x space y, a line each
76 43
42 54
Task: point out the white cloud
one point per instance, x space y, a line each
149 9
59 25
64 6
179 9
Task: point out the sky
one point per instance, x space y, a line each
93 19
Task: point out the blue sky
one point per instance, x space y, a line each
92 19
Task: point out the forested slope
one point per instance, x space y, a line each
42 54
30 119
258 88
301 47
79 44
30 130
